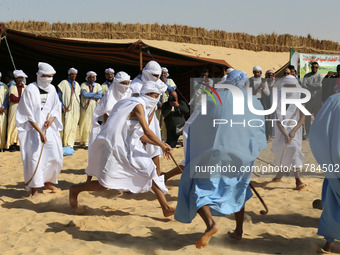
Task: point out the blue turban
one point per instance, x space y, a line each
237 78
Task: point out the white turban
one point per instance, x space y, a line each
19 73
287 80
164 69
109 70
72 70
152 68
89 73
153 87
45 68
257 68
229 70
120 77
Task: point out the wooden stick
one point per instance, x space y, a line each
176 163
36 167
263 212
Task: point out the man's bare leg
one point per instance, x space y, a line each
50 186
77 188
328 247
166 208
34 192
158 165
299 184
172 173
212 227
278 177
237 234
88 178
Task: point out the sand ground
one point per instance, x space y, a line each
133 223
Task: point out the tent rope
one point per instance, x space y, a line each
9 51
179 92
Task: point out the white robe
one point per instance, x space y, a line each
117 156
105 106
51 162
292 156
153 150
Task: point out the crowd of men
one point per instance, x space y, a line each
118 124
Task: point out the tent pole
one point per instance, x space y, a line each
140 58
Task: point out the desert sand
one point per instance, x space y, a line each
115 223
243 60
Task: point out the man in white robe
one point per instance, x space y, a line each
38 120
109 75
119 90
117 156
69 96
3 109
151 72
91 92
287 144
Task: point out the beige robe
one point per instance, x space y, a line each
71 115
87 107
12 132
3 117
105 87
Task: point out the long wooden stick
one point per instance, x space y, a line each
263 212
176 163
36 167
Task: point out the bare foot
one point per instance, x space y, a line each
276 179
300 186
34 192
168 211
51 187
204 240
234 235
73 197
327 248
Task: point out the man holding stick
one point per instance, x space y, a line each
38 121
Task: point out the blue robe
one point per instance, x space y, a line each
325 145
223 145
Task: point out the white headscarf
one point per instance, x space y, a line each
20 73
229 70
89 73
44 82
72 70
45 68
120 77
152 87
257 68
151 68
164 69
292 109
109 70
